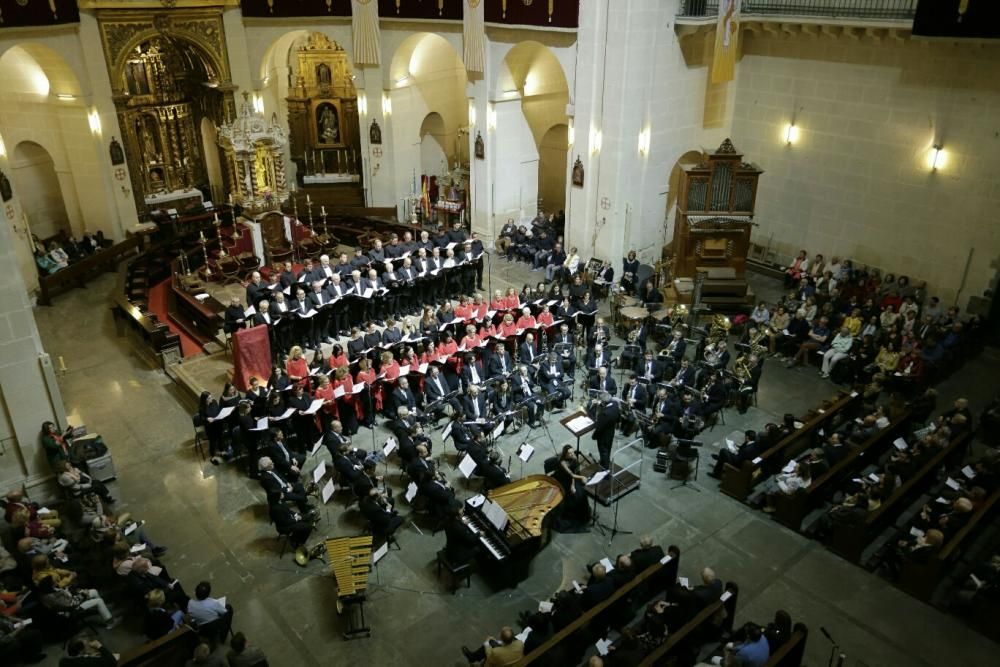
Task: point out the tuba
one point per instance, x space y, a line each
720 327
303 555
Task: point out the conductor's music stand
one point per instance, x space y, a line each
579 424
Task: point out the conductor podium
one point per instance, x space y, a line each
350 561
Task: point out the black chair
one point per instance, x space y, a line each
456 570
200 435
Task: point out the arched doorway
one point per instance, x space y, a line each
44 181
430 113
531 95
433 155
552 152
37 184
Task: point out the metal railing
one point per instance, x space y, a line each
847 9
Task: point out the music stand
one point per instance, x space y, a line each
685 452
578 424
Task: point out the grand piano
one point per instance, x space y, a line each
524 526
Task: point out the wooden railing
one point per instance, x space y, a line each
849 541
77 274
790 510
738 482
171 650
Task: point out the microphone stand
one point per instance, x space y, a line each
836 657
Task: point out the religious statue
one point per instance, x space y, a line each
375 133
5 192
117 154
323 75
480 147
328 125
578 172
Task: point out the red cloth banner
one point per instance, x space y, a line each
251 356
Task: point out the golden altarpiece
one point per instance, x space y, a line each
715 210
253 150
169 72
324 130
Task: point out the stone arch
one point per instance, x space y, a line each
433 148
674 179
532 72
203 47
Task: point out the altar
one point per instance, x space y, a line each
179 200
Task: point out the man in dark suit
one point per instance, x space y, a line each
461 544
647 554
382 519
651 368
492 472
563 344
524 393
349 466
685 374
527 353
500 361
278 488
675 350
234 316
402 395
748 450
599 588
551 376
597 358
604 429
256 290
603 381
420 468
287 462
289 522
474 403
317 299
472 371
436 387
634 394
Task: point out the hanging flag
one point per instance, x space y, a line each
727 41
425 199
474 36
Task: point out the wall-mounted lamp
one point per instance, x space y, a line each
65 97
936 157
570 134
386 105
363 104
472 114
94 120
595 140
644 137
791 134
491 118
3 148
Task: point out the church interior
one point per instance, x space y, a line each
499 332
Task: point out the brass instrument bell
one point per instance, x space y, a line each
303 555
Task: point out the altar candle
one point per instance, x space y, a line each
322 210
216 217
230 198
308 199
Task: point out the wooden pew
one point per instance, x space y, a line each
155 334
791 652
790 510
689 631
850 541
171 650
581 623
77 274
920 579
739 482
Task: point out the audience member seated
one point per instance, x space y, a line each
204 610
243 654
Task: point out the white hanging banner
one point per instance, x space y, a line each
364 24
474 36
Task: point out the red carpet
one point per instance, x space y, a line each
158 304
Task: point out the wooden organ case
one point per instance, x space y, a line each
715 212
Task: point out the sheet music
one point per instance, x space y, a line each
523 635
603 645
467 466
328 490
223 413
545 607
596 479
339 392
250 312
319 471
608 565
447 431
498 431
666 559
525 451
136 548
358 388
261 425
969 472
285 415
495 515
952 484
578 424
380 552
390 446
313 407
411 492
899 444
319 443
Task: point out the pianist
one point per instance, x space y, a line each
461 543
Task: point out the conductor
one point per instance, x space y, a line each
606 421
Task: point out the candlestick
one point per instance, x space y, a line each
308 199
230 198
322 210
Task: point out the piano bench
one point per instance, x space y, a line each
456 570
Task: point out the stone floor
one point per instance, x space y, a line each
214 521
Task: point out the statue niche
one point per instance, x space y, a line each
323 123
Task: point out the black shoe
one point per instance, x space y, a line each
159 551
468 655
